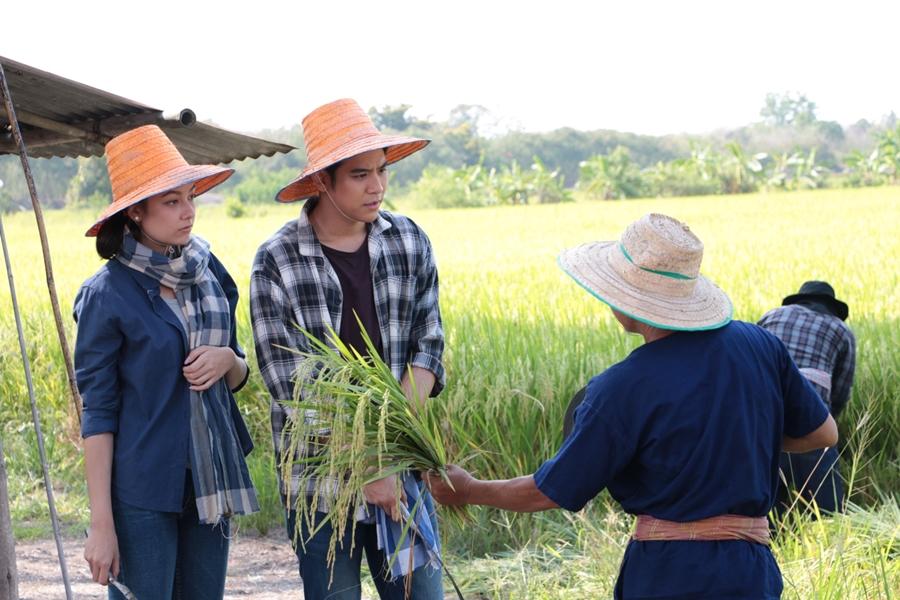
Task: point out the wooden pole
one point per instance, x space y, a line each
45 245
35 416
9 579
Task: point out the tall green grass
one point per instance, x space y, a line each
521 339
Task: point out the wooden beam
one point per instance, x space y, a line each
75 131
35 138
49 132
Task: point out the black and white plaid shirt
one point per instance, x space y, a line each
292 284
817 341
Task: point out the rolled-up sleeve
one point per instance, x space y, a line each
427 333
804 410
275 331
97 346
571 480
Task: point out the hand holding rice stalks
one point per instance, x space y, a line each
351 424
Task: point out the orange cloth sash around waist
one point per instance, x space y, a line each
723 527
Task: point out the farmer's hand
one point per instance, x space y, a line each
205 365
458 495
383 493
101 551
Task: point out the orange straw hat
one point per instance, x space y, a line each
143 162
337 131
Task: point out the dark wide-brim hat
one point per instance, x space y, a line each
821 292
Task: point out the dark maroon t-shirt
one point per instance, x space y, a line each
354 273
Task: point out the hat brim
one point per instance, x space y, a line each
838 308
204 178
396 148
707 306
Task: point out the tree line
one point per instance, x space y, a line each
469 165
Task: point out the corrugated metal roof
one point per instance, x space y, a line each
61 117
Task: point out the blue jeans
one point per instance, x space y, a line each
815 476
426 582
166 556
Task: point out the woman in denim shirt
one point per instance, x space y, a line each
157 360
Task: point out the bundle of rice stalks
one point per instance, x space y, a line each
351 424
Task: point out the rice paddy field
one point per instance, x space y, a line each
521 339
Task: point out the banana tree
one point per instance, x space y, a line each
889 150
866 169
741 173
795 171
611 176
548 186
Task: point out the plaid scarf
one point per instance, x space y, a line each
222 483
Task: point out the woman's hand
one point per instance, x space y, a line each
101 551
205 365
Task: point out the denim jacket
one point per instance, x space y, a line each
129 352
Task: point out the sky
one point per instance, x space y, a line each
652 67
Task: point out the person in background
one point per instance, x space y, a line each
685 432
811 324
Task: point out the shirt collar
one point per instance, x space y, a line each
308 242
145 281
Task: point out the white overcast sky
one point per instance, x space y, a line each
652 67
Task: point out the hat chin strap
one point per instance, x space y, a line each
170 250
338 208
334 204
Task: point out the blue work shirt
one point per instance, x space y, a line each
687 427
129 356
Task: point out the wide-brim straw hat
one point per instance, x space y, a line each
652 273
142 163
337 131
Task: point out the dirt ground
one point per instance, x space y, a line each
259 568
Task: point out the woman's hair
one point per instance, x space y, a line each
109 239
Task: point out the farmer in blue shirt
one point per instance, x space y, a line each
685 432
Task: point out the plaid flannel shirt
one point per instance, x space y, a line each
817 341
292 284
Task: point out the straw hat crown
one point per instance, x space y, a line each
337 131
652 273
658 243
142 163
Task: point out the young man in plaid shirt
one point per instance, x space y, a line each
343 255
811 325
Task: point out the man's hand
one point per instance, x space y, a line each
424 383
459 494
383 493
